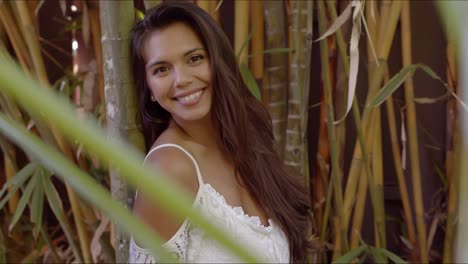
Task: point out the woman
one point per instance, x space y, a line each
208 134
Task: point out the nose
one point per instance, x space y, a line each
183 77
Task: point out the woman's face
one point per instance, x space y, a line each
178 72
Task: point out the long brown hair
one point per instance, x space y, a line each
242 123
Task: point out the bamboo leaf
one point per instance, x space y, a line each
397 81
390 255
56 205
17 181
22 204
278 50
354 59
378 256
250 81
37 203
338 22
350 255
243 46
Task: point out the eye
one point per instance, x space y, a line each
196 58
160 70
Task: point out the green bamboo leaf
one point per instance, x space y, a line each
37 203
351 255
244 45
398 80
250 81
392 85
378 256
390 255
17 181
22 203
278 50
56 205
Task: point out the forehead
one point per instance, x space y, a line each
173 40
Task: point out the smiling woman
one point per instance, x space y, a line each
207 133
178 72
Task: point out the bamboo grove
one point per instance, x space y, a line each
341 84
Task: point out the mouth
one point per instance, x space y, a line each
190 98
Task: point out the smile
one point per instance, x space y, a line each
191 98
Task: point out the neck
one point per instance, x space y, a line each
201 131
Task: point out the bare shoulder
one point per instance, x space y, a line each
171 163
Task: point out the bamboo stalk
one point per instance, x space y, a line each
452 140
336 173
97 48
413 134
257 42
15 38
377 172
275 81
116 24
399 172
214 7
10 171
30 36
241 8
295 150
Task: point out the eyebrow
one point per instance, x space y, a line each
162 62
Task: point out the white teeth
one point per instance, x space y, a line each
190 98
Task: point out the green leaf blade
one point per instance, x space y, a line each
22 203
250 81
351 255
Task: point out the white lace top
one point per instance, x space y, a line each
191 245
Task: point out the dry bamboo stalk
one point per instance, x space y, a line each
335 170
10 171
204 4
241 8
399 171
97 48
338 247
452 178
323 157
362 196
214 10
413 134
30 35
377 172
257 43
15 38
275 81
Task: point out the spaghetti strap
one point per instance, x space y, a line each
199 177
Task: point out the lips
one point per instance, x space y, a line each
190 97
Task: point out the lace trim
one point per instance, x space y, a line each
238 210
